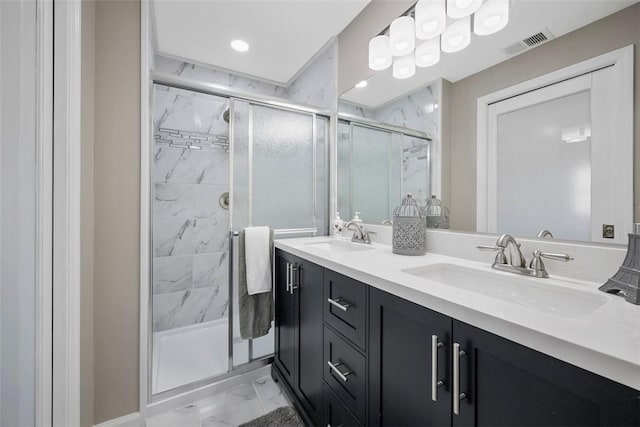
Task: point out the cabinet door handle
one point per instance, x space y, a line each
457 396
435 383
288 281
295 279
334 367
339 303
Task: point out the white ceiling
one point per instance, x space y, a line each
283 34
527 17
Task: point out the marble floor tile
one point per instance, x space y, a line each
270 394
231 408
187 416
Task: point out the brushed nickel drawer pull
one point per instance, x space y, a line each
435 383
288 281
457 396
334 368
294 278
339 303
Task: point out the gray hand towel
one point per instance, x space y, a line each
256 311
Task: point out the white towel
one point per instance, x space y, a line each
257 255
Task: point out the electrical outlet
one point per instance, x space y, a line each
608 231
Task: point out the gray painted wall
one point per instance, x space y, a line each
117 209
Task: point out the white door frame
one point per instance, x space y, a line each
66 212
621 58
44 205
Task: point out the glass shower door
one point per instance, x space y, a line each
279 179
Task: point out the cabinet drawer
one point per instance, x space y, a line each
345 371
335 413
345 306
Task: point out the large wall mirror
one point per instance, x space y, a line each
519 134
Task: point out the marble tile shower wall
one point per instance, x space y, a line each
418 110
190 264
316 85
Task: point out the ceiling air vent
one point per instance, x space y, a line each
528 43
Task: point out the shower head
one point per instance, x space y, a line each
225 115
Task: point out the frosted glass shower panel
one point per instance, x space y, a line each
544 168
344 170
283 168
322 174
371 173
416 173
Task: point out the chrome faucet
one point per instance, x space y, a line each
503 242
545 233
517 263
360 234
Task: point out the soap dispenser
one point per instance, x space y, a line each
337 224
356 218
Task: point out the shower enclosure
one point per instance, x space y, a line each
386 161
221 164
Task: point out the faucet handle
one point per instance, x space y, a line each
554 256
501 258
538 266
488 248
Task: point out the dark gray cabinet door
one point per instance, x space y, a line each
507 384
400 363
285 319
308 279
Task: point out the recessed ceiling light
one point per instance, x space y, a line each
240 45
361 84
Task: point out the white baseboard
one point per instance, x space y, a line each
131 420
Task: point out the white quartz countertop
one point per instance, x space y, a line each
605 340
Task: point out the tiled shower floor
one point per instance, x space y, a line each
229 408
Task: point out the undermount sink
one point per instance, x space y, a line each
339 246
523 291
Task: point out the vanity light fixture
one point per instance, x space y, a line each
239 45
404 67
457 36
492 17
403 36
457 9
422 32
431 18
380 53
428 53
361 84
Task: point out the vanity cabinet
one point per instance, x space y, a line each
396 363
507 384
409 355
451 373
298 357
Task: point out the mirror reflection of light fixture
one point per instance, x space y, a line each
431 18
457 9
403 36
573 134
404 67
457 36
428 53
492 17
379 53
430 24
